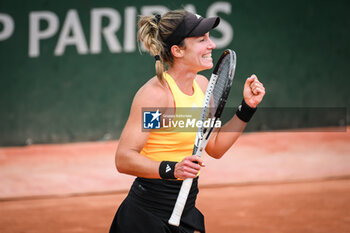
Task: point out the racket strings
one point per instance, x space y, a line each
223 79
220 86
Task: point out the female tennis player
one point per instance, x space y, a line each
160 159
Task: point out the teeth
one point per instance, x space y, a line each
207 56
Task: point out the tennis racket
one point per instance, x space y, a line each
214 102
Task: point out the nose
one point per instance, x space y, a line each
212 45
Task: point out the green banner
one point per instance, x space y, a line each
69 70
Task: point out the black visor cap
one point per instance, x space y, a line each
192 25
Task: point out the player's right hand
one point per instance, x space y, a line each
189 167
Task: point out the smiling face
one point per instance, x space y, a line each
197 53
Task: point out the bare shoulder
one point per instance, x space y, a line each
152 94
202 82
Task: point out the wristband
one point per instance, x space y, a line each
245 112
167 170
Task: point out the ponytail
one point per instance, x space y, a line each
153 30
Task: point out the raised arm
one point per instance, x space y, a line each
224 138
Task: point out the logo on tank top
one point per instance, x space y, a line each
151 119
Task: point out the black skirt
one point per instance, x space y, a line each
148 207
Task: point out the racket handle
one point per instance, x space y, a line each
180 202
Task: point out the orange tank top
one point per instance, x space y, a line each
173 143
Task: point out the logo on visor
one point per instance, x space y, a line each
198 16
151 120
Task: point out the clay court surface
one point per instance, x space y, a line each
267 182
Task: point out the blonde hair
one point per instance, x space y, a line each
153 31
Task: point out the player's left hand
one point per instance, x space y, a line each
253 91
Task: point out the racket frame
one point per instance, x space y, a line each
203 134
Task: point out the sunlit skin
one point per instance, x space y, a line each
198 53
193 57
